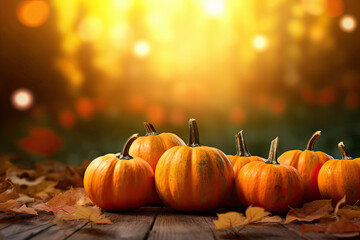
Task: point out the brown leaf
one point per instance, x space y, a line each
342 226
349 212
65 201
272 219
8 191
8 205
24 209
232 219
310 211
305 228
92 214
25 199
41 190
338 204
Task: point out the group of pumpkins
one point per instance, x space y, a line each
159 168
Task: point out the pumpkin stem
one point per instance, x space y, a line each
310 145
149 128
241 145
273 152
194 134
125 152
344 152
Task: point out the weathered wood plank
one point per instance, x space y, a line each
257 231
310 235
22 226
60 232
170 224
126 225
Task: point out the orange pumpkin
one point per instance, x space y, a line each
340 177
268 184
150 148
308 164
239 160
119 181
194 177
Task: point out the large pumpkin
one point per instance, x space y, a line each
119 181
308 164
340 177
269 185
194 177
239 160
151 147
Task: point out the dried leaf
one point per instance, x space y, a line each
25 199
273 219
305 228
339 203
349 212
8 205
92 214
24 209
8 191
232 219
228 220
65 201
310 211
25 182
342 226
254 214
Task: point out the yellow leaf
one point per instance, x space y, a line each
273 219
310 211
91 214
254 214
229 219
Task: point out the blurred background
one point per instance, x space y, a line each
78 77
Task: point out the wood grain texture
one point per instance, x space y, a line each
170 224
310 235
126 225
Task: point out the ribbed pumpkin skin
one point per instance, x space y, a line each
194 178
338 178
273 187
308 164
118 184
151 148
240 162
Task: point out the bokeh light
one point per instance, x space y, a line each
33 13
22 99
214 7
314 7
260 42
348 23
141 48
90 29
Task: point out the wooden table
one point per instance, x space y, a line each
146 223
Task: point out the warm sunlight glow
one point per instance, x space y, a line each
90 29
348 23
214 7
260 42
22 99
33 13
142 48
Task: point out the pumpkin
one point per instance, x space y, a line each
308 164
340 177
194 177
239 160
269 185
150 148
119 181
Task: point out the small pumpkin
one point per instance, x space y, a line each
194 177
151 147
269 185
238 161
340 177
119 181
308 164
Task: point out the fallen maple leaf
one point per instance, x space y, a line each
229 219
272 219
92 214
8 191
342 226
65 201
24 209
253 215
305 228
13 206
310 211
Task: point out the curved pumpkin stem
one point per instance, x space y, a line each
310 145
125 152
344 152
241 145
194 134
273 152
149 128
